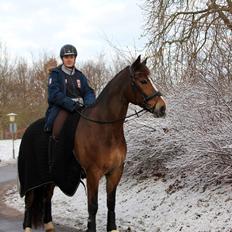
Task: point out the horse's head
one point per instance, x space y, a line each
142 91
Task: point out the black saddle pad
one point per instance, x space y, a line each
33 161
66 170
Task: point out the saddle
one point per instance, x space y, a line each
34 162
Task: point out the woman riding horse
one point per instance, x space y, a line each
66 86
100 145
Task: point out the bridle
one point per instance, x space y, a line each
146 98
144 105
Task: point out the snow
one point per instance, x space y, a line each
6 151
177 174
146 206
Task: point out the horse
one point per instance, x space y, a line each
100 145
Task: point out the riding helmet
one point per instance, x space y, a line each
68 49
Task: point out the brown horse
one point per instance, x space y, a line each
100 145
101 149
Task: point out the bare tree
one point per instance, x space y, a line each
6 71
186 34
97 73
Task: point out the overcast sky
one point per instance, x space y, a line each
34 26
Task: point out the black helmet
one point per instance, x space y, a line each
68 49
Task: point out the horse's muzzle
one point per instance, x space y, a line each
159 113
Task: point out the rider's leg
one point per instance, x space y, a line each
54 138
58 123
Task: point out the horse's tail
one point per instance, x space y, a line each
37 207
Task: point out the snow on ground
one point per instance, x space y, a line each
6 151
147 206
178 171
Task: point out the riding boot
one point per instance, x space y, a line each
51 151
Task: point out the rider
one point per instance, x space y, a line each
66 87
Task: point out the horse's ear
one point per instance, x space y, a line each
145 61
137 62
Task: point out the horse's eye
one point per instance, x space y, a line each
144 82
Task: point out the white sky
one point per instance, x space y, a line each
34 26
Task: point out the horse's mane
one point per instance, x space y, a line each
106 88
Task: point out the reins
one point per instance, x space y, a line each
134 87
112 121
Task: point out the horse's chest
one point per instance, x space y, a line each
117 151
117 154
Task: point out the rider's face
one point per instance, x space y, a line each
69 60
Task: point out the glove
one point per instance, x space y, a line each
78 107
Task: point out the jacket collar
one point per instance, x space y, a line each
69 71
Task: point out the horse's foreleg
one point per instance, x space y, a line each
112 179
27 222
48 225
93 178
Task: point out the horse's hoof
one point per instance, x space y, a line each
49 227
27 229
50 230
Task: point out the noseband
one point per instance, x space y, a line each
146 98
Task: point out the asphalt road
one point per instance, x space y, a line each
10 219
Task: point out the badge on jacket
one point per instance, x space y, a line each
50 81
79 84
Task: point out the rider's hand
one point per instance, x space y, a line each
78 107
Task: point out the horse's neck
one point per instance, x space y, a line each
112 105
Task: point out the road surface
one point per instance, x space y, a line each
11 219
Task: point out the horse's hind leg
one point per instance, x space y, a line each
112 180
48 225
27 222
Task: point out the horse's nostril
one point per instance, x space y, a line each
162 110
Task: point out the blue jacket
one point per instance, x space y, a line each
57 98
